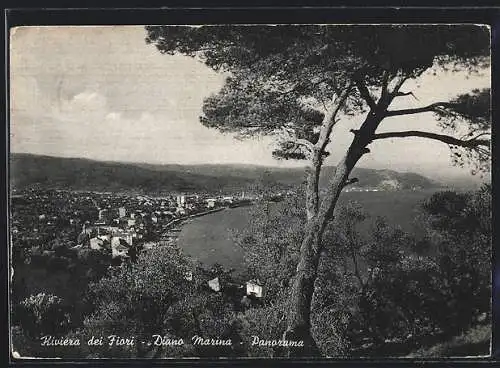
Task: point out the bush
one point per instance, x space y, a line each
43 314
412 295
268 323
153 296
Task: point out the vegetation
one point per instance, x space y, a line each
393 291
79 174
341 290
295 82
380 292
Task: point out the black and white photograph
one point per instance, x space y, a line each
245 191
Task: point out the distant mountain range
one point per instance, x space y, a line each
27 170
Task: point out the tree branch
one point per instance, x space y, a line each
291 143
300 84
403 94
470 143
479 135
305 143
385 84
329 121
429 108
365 93
398 85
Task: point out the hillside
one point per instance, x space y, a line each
28 170
295 176
81 174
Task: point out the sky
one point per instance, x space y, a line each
102 93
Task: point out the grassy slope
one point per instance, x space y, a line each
474 342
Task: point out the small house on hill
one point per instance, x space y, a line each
214 284
120 250
254 288
96 243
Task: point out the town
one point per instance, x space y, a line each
49 223
118 222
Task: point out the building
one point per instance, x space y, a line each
149 245
188 275
214 284
96 243
104 237
192 198
254 288
119 238
211 202
108 229
184 201
181 201
168 214
103 214
87 229
119 250
122 212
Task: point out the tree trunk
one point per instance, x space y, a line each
299 321
302 291
312 183
299 325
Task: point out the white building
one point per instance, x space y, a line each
115 240
253 288
188 275
104 237
119 251
122 212
214 284
96 243
149 245
103 214
181 200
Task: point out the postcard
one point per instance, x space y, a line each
246 191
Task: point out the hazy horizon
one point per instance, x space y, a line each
102 93
446 179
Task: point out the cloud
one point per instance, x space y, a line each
88 107
103 93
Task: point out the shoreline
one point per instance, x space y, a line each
181 220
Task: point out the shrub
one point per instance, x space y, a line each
43 314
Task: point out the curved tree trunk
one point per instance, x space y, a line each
299 327
312 186
299 318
